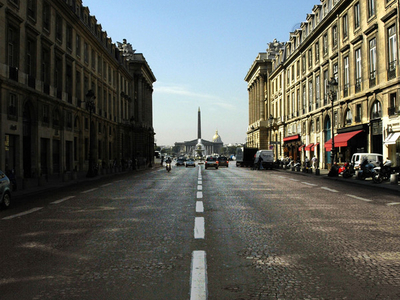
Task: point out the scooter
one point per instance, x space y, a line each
366 171
346 170
168 167
383 171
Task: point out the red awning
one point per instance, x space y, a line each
341 139
314 146
301 148
308 148
291 138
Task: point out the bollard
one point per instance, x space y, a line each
394 178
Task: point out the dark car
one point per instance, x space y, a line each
190 163
223 161
5 190
180 162
211 162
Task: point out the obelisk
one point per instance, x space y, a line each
199 125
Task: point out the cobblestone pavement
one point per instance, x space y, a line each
268 235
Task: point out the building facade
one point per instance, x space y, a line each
356 43
55 59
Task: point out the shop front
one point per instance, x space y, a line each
291 146
347 142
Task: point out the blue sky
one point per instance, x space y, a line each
200 52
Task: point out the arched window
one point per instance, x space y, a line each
348 118
376 111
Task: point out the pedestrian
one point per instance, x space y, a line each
315 162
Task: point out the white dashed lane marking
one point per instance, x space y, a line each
199 207
23 213
198 280
328 189
62 200
359 198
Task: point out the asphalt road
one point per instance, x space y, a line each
230 233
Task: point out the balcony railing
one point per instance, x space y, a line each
392 111
372 79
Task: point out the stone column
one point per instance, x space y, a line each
262 106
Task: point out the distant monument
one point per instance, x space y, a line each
200 147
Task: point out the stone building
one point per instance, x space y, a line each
355 42
66 89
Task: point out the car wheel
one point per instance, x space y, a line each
216 168
6 200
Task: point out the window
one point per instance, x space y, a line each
86 52
372 62
298 68
78 46
309 58
69 36
349 117
12 106
45 114
325 87
358 113
392 104
304 98
376 111
317 51
59 28
45 71
30 57
346 76
392 55
358 70
345 26
325 43
303 62
334 36
12 46
293 104
32 9
357 15
46 16
317 91
371 8
310 95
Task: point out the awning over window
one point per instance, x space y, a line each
301 147
341 139
392 138
308 148
314 146
291 138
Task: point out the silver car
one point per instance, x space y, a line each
5 190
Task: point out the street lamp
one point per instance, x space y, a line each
90 106
332 86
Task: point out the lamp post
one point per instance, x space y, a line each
90 106
333 86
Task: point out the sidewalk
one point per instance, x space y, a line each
353 180
36 186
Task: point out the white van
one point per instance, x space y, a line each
267 157
373 158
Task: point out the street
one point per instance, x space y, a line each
231 233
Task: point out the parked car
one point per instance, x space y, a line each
5 190
190 163
223 161
211 162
